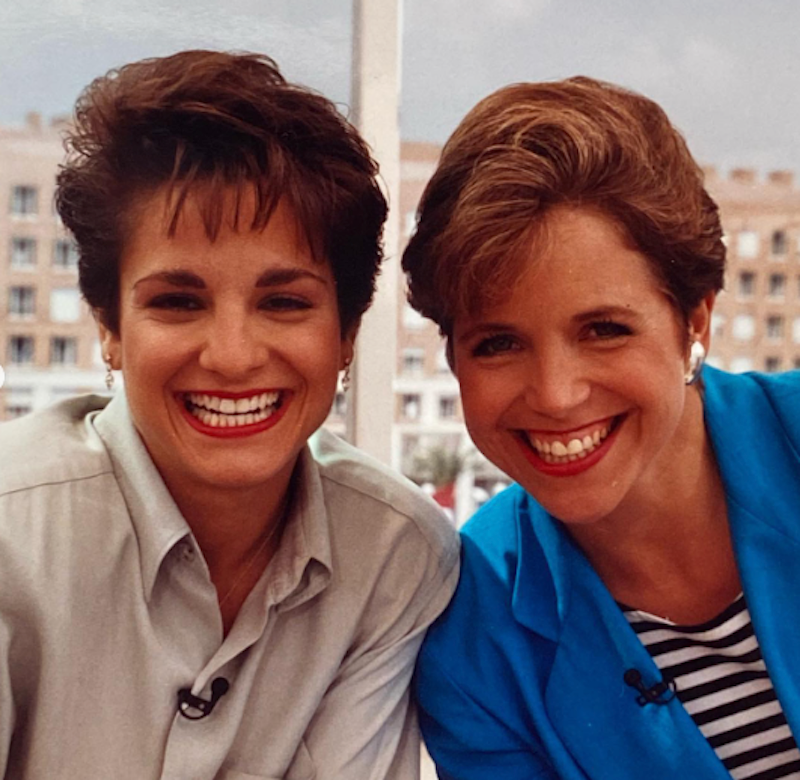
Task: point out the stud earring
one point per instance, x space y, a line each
346 375
109 373
697 356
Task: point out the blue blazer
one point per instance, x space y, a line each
522 677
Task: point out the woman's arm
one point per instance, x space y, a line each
365 727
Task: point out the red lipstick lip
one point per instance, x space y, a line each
239 431
572 467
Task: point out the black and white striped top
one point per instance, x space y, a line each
723 683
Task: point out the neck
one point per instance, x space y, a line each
230 524
667 548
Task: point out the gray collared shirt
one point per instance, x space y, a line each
107 610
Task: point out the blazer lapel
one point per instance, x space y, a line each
596 714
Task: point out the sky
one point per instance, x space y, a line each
726 71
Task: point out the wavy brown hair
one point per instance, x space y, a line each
199 122
529 147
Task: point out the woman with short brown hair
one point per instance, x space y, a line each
196 582
629 608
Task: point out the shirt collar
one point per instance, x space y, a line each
157 521
303 564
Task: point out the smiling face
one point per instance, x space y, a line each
575 385
230 350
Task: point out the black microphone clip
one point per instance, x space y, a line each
195 708
663 692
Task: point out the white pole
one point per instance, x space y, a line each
376 101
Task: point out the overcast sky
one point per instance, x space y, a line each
727 71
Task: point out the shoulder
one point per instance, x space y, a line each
771 400
56 445
352 479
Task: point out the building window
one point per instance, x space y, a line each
22 302
717 324
20 350
772 364
448 407
63 351
65 254
17 410
410 406
777 285
775 327
747 243
23 253
65 305
23 200
747 284
413 360
780 242
744 327
741 364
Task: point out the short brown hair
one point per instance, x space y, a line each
196 122
529 147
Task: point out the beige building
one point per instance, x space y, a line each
48 341
757 318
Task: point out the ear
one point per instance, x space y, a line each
348 347
110 346
700 321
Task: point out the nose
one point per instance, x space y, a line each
556 383
233 346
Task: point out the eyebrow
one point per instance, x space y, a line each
272 278
602 312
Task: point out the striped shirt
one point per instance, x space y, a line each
723 683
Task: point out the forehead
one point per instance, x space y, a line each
575 257
162 230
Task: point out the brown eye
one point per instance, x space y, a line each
176 302
608 329
494 345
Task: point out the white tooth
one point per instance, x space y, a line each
604 433
572 457
205 417
546 446
214 419
249 418
574 447
227 406
253 405
272 398
587 442
538 445
558 449
213 403
242 405
596 437
582 454
223 421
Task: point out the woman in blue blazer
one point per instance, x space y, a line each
628 609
